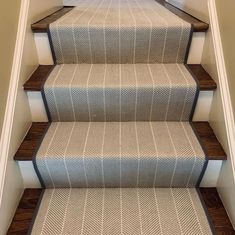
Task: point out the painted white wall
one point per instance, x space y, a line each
196 48
29 175
37 106
43 49
19 116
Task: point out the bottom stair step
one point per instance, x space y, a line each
121 211
31 199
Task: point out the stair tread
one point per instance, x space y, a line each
212 146
205 81
198 26
32 142
143 211
140 150
116 75
42 25
27 208
39 77
96 139
135 32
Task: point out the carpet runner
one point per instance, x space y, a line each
114 92
121 211
120 32
120 156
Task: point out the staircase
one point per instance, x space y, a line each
120 153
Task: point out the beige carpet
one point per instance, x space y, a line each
121 211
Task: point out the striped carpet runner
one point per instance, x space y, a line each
120 92
121 211
120 32
120 156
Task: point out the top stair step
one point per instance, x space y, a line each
125 32
197 25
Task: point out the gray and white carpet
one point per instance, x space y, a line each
120 32
121 211
120 156
115 92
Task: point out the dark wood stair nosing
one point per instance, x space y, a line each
206 83
25 212
210 144
38 78
30 201
42 25
32 141
34 137
197 25
216 212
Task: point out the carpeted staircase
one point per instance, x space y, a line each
120 156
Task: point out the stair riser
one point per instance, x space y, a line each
39 113
31 180
45 55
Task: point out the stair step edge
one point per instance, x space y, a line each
42 26
39 77
36 133
30 201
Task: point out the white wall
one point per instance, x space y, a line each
21 116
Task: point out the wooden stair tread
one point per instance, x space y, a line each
209 141
30 199
216 211
206 83
25 212
32 141
198 26
38 78
42 25
34 137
